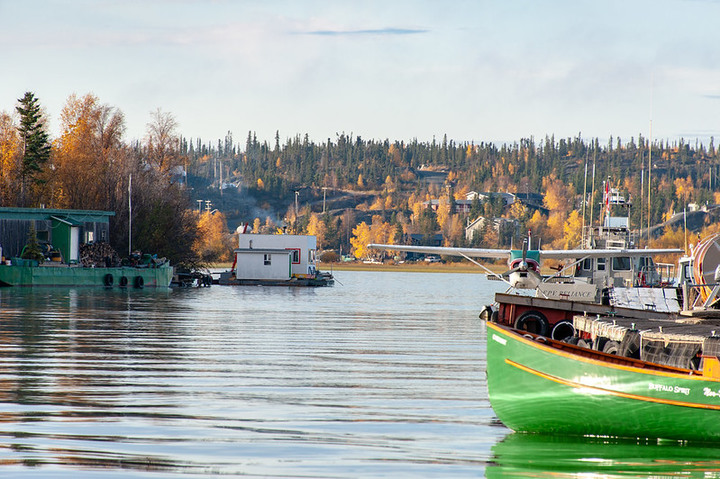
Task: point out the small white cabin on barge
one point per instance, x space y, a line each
275 257
275 260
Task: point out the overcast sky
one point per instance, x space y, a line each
475 70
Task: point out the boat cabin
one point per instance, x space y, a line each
61 231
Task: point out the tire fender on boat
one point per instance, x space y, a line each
108 280
139 282
123 281
534 322
562 330
611 347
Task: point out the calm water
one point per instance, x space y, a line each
380 376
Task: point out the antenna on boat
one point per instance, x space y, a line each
130 215
592 189
650 163
584 193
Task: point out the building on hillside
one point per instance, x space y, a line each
474 227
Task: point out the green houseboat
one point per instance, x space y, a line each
64 235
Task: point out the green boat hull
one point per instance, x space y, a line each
120 277
536 388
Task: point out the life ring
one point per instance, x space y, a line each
123 281
533 322
108 280
563 330
139 282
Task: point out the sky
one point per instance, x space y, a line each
483 71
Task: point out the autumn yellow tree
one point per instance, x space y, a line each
557 195
10 160
91 163
360 239
381 231
317 227
684 189
572 230
213 239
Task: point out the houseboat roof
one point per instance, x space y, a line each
77 216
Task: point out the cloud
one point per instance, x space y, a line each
374 31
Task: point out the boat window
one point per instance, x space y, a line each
621 263
295 255
267 259
587 264
311 255
601 264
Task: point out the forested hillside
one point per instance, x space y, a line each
383 184
188 194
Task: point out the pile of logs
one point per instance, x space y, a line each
98 255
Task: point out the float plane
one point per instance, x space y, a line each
524 265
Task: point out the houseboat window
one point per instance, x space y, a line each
90 236
311 255
267 259
621 263
601 264
295 256
587 264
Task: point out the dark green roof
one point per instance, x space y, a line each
72 216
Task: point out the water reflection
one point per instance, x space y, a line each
534 455
380 377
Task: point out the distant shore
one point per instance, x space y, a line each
415 267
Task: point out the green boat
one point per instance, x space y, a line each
539 385
24 274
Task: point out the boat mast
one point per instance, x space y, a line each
130 215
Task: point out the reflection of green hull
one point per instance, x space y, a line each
80 276
536 388
536 455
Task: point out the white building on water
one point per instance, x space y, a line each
267 259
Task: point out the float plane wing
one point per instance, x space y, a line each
524 265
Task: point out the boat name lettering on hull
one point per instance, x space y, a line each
500 340
707 392
676 389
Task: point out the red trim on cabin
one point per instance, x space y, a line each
298 255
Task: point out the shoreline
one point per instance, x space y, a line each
467 268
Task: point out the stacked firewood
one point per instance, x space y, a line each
98 255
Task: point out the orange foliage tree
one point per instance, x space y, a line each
213 240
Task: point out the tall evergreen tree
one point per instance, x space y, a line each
36 142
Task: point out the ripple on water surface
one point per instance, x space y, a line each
382 376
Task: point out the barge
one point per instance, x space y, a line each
72 250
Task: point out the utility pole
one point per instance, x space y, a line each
324 188
297 211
